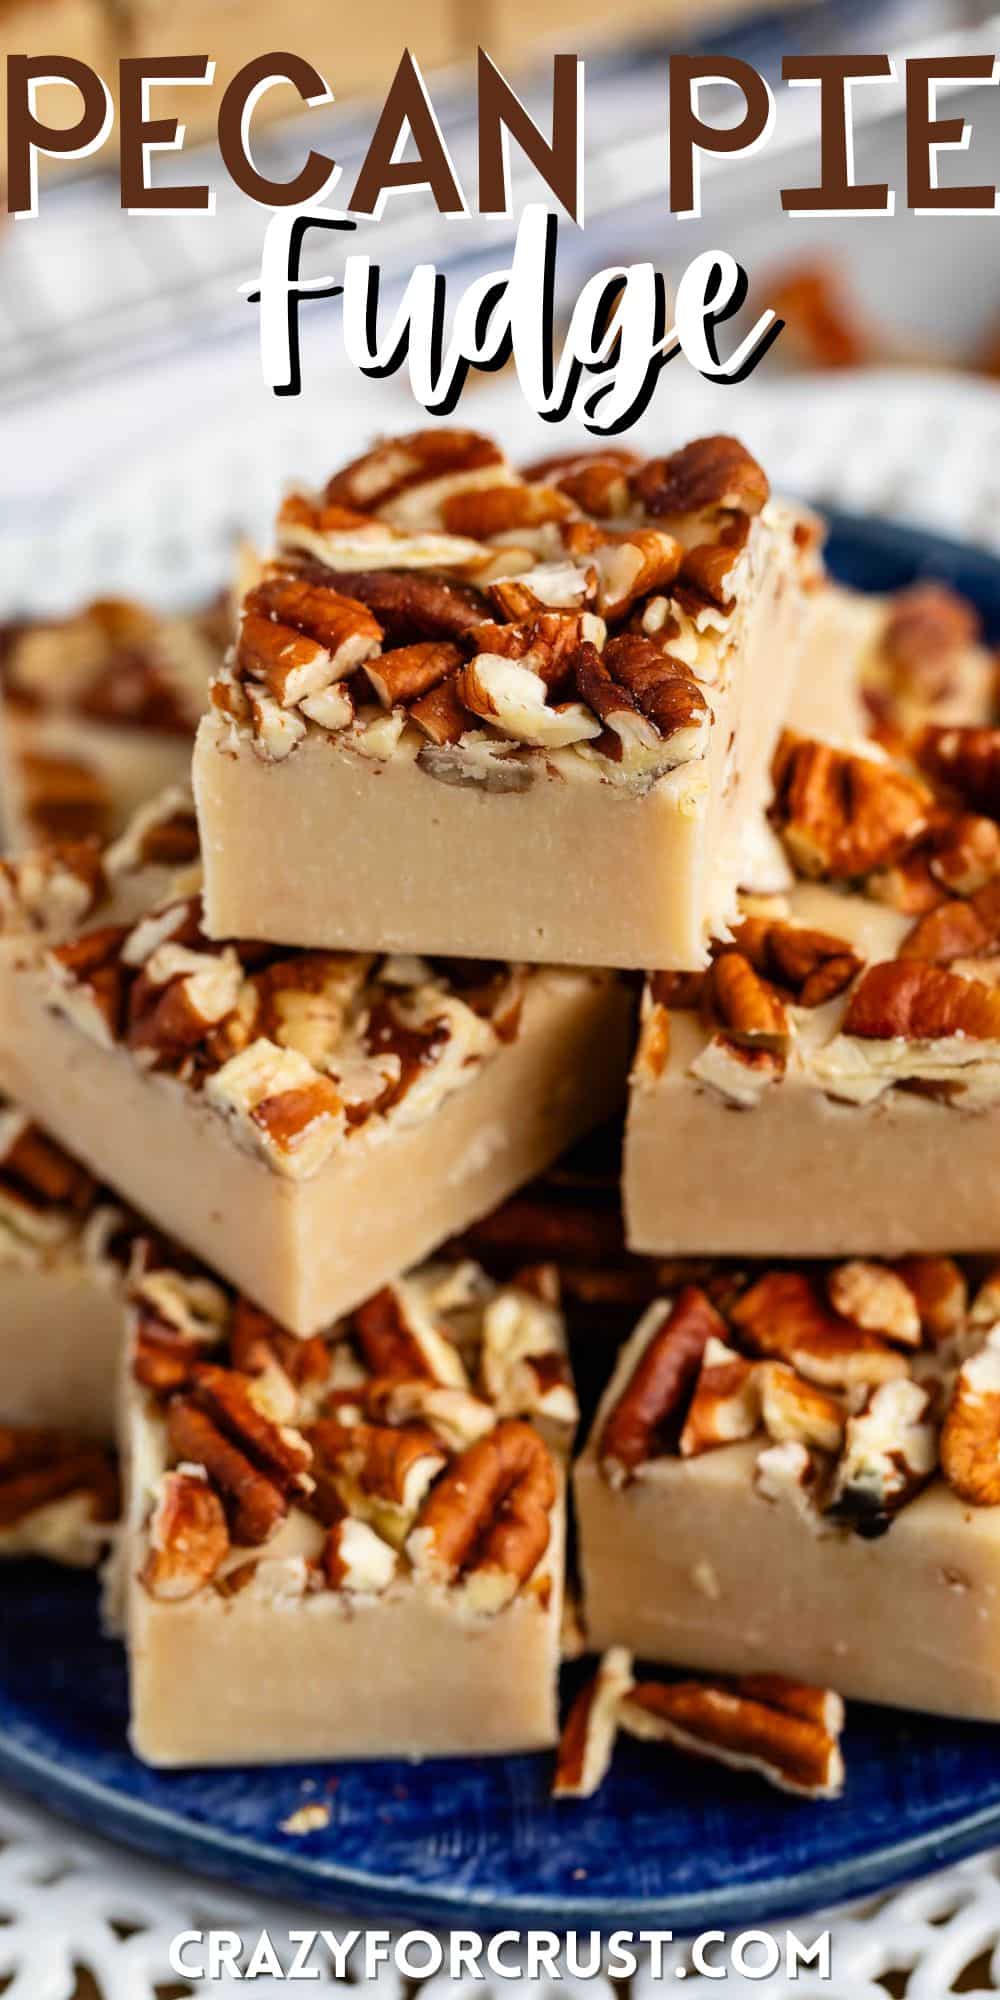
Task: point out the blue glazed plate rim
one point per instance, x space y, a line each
864 550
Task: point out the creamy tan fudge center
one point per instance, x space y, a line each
794 1471
352 1545
564 686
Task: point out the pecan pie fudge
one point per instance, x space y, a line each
99 712
795 1471
350 1545
832 1083
63 1247
888 665
309 1122
484 713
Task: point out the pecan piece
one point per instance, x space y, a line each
890 1452
711 473
409 606
398 463
660 1384
877 1297
842 815
188 1538
596 481
920 1002
773 1737
748 1009
253 1462
39 1467
407 672
488 1519
587 1742
928 624
814 965
970 1439
940 1293
784 1317
967 761
957 929
38 1164
257 1342
357 1560
725 1407
664 688
795 1411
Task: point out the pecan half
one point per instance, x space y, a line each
398 463
714 473
959 928
748 1009
587 1742
188 1538
773 1737
410 606
488 1519
920 1002
255 1464
663 687
660 1384
841 815
407 672
784 1317
813 965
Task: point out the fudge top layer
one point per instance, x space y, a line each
418 1444
52 1211
434 603
862 1381
301 1053
878 971
116 662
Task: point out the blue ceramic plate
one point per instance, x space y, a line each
667 1842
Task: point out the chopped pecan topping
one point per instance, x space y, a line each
725 1406
970 1439
407 672
711 474
966 853
928 625
357 1560
587 1743
188 1537
967 760
664 688
410 606
255 1464
488 511
920 1002
394 1465
38 1166
748 1009
877 1297
64 798
767 1731
740 1071
814 966
659 1387
957 929
488 1518
390 468
596 481
257 1342
940 1293
91 963
890 1452
795 1411
842 815
784 1317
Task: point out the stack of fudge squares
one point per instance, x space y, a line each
521 800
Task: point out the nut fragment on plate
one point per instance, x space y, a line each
783 1732
587 1743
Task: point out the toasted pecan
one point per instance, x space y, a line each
659 1388
711 473
842 815
188 1538
967 760
920 1002
712 1719
489 1515
784 1316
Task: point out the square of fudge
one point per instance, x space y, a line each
889 664
795 1471
308 1122
350 1546
64 1248
832 1083
99 714
486 713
